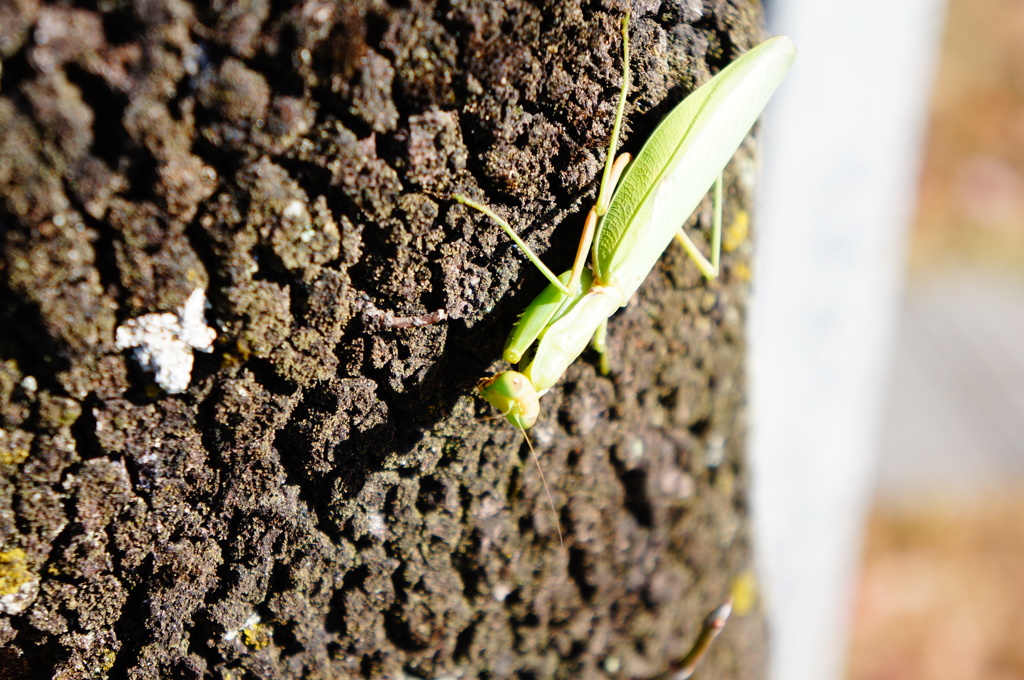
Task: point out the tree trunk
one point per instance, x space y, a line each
328 498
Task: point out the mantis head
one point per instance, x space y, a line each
514 395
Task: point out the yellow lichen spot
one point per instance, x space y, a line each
741 272
744 592
108 661
256 636
14 446
708 301
18 585
736 233
13 572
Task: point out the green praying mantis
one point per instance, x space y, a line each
640 209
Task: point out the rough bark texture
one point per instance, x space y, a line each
324 500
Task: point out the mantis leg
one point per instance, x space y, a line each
600 344
530 255
708 269
612 170
709 630
609 180
604 196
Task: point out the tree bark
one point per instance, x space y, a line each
328 498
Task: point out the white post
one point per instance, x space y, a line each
841 149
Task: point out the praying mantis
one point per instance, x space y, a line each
640 209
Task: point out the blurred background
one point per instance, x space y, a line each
887 343
941 592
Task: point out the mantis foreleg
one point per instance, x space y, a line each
590 226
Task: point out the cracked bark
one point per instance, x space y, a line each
325 501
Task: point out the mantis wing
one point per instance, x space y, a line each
681 161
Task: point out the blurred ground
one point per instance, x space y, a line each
940 593
971 207
942 590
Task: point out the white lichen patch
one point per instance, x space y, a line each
295 210
163 342
251 621
377 526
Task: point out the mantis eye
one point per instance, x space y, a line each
514 395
